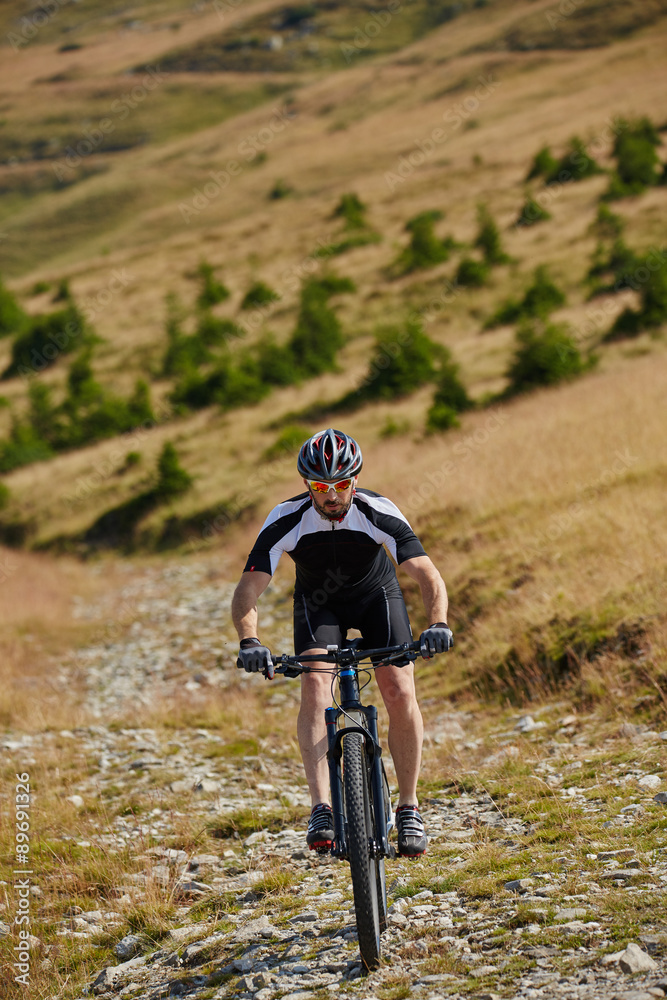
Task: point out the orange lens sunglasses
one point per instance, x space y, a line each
339 487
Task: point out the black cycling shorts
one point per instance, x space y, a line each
382 619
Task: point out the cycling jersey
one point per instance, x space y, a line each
343 558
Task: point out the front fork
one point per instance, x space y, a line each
335 738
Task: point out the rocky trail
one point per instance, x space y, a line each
555 893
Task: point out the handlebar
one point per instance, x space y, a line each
345 656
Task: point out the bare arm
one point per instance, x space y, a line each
244 603
432 586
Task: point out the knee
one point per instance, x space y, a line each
315 697
398 697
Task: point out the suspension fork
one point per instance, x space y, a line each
331 716
377 783
365 718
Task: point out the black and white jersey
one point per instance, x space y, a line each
347 557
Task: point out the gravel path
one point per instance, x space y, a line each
258 915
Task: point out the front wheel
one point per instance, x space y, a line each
379 862
363 866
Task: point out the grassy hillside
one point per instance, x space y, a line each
136 144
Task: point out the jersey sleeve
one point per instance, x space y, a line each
392 527
274 538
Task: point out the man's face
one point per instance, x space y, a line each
333 504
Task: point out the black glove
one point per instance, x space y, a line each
437 638
255 658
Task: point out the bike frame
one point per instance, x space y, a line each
360 800
357 718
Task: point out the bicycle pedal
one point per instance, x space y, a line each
321 848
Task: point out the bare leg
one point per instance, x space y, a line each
311 729
406 728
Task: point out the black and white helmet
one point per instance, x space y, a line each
330 455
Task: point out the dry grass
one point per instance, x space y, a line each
518 499
37 631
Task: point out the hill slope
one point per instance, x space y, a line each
429 112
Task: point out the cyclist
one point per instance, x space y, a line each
336 533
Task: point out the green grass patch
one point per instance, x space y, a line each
243 822
276 882
594 24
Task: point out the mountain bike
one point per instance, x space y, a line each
360 798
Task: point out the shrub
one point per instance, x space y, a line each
441 417
194 391
173 480
211 290
359 239
403 359
108 416
288 442
12 317
488 238
607 225
4 496
42 416
212 331
188 351
292 17
532 213
22 448
539 300
392 428
425 248
229 385
63 293
543 296
332 284
184 353
276 364
259 294
472 273
280 190
89 413
543 358
45 339
627 324
318 335
117 527
245 379
139 406
543 165
637 169
351 210
611 270
450 398
574 165
508 312
652 312
637 161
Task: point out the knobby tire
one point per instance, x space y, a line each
363 867
380 873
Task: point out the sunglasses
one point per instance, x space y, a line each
339 487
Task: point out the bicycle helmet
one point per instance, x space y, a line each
329 455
